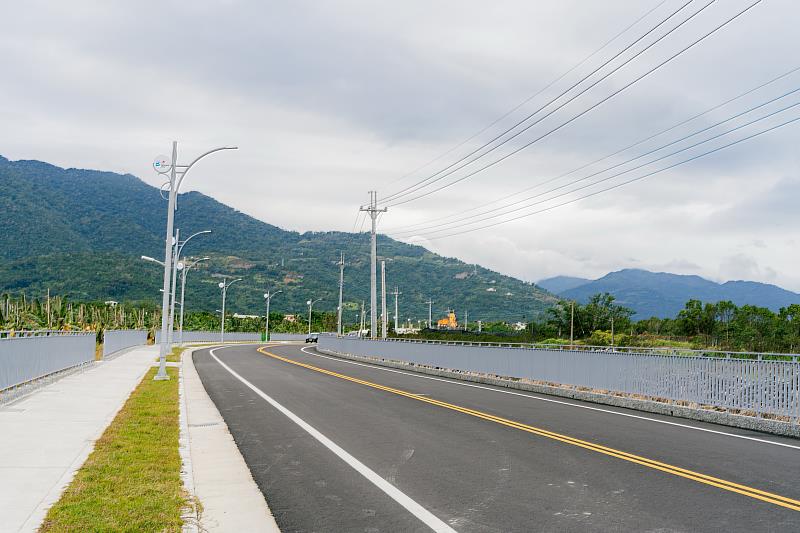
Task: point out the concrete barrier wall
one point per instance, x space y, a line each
763 387
287 336
119 339
211 336
24 359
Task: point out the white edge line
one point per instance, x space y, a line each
393 492
534 397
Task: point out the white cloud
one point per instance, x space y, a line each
330 99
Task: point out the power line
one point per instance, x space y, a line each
528 99
503 158
469 219
432 178
621 184
586 165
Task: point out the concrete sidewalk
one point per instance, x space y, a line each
47 436
221 479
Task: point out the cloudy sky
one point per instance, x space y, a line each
328 100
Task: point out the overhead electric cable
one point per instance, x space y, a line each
637 143
468 219
528 99
551 131
432 178
621 184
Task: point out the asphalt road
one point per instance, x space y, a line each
337 446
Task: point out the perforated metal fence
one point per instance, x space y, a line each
287 336
212 336
25 357
751 385
115 340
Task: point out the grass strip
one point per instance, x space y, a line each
131 481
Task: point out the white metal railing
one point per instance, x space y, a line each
655 350
756 386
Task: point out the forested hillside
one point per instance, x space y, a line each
80 233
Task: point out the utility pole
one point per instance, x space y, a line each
363 319
396 294
384 318
373 211
341 289
466 319
479 326
430 313
571 323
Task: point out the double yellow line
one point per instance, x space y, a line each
751 492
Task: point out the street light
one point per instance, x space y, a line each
178 265
176 175
310 304
152 260
268 297
224 286
184 272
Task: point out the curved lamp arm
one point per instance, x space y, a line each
198 158
181 245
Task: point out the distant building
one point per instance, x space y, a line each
519 326
290 318
491 289
111 303
237 315
448 322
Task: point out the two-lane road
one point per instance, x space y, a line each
342 446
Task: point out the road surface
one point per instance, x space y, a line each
341 446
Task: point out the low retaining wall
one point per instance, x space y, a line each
287 336
211 336
401 355
24 359
118 339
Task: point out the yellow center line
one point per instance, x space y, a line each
751 492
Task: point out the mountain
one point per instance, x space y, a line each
559 284
81 233
663 295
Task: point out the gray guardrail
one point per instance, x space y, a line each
212 336
115 340
28 356
759 386
287 336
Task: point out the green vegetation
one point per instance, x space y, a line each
131 481
100 223
601 322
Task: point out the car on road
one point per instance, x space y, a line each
312 337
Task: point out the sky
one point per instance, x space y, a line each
328 100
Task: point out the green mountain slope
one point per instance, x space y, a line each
80 233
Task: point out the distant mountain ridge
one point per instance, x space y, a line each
80 233
663 294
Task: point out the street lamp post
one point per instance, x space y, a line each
224 284
268 296
184 272
176 174
310 304
178 265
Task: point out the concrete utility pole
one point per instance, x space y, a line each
571 323
384 318
373 211
466 319
479 326
169 166
396 294
363 319
341 289
430 313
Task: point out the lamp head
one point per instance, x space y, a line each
221 284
